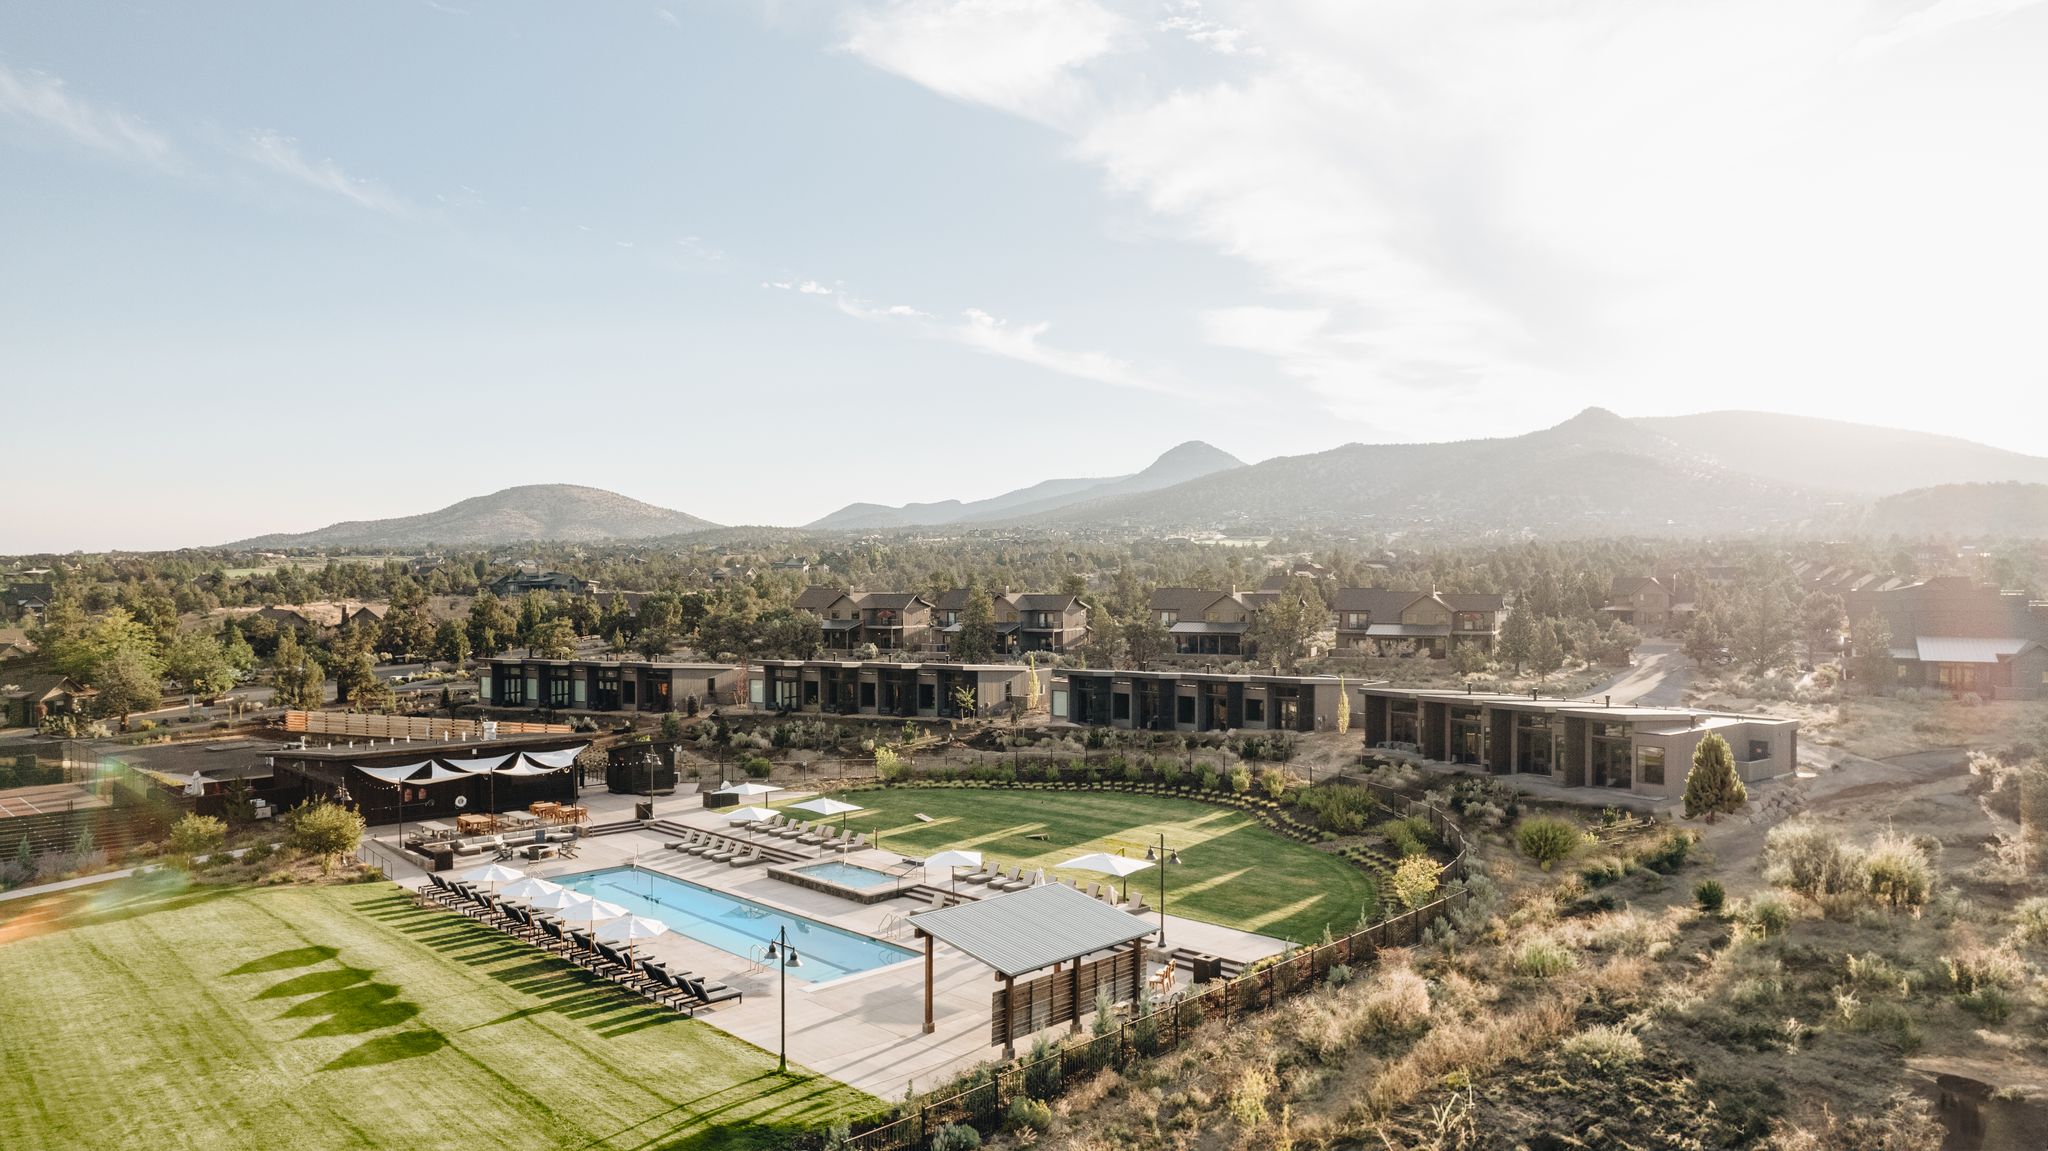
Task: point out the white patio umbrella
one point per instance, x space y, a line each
532 887
826 805
747 790
953 861
1116 866
558 900
749 815
590 913
493 874
630 929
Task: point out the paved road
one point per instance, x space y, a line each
1658 679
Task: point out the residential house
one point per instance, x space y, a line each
1203 622
1577 743
879 688
1387 621
892 621
1305 568
321 616
606 685
521 582
1198 700
28 697
1024 621
1642 602
28 599
1952 634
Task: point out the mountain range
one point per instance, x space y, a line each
1595 474
564 512
1188 461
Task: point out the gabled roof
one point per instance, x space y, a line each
819 598
1044 601
40 685
1184 600
1472 600
1956 649
1380 601
1626 586
890 600
952 599
1025 931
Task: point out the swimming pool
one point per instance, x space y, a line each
737 926
847 874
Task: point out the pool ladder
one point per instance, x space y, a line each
893 925
757 959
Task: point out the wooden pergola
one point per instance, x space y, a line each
1048 926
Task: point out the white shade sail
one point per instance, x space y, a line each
1105 864
825 805
523 768
560 899
749 814
955 859
394 773
560 757
482 764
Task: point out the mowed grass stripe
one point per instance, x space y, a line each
1234 871
286 1019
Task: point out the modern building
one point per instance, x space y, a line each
1952 634
329 772
877 687
1024 621
1578 743
521 582
892 621
605 685
1198 700
1387 621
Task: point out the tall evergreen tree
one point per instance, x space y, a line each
1711 786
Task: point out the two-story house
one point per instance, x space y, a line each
1387 621
838 616
1952 634
892 621
1024 621
1642 602
1203 622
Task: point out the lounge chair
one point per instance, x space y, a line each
724 854
1137 905
746 855
811 838
668 989
859 840
793 831
989 871
702 847
710 993
1013 882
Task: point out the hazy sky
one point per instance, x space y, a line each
266 265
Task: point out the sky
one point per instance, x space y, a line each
267 265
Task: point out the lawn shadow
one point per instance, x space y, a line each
314 982
286 960
353 1010
389 1049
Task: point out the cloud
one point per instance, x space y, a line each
280 154
44 103
1190 23
1021 342
1017 55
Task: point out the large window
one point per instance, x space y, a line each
1184 709
867 694
1254 710
1759 749
515 690
1120 706
1611 756
1650 766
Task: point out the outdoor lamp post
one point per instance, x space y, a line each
784 957
1162 857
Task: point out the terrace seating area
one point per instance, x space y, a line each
680 991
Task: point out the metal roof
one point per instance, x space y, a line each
1403 630
1024 931
1955 649
1203 627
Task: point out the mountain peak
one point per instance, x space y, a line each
1192 458
568 513
1594 418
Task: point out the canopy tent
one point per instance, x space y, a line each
1025 931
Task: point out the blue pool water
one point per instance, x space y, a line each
738 926
847 874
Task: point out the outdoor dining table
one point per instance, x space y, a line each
545 809
474 824
576 813
519 819
434 829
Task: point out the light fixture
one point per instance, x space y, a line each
1175 859
795 960
1150 855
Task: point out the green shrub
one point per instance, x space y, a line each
324 830
1411 835
1415 881
757 766
1769 915
955 1137
1897 873
1341 808
1546 839
1544 958
1026 1114
1338 975
1990 1004
1273 782
1812 860
197 835
1669 854
1240 780
1603 1048
1710 895
2030 922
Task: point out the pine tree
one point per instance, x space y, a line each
1517 637
1547 655
1712 787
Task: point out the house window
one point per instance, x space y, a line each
1254 711
1650 766
1759 749
810 693
867 695
1120 706
515 691
927 696
1184 709
1009 692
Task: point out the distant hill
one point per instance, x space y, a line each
1184 462
1595 473
1964 511
1856 458
564 512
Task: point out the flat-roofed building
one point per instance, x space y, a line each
1198 700
929 690
1578 743
606 685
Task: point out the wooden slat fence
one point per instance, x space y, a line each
358 725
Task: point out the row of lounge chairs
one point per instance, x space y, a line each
991 876
717 848
681 991
829 836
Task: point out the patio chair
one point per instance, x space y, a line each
703 844
710 993
746 855
668 990
1137 905
554 939
1015 882
722 855
859 840
989 870
568 850
793 831
505 850
811 838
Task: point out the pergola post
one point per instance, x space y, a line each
1009 1017
1137 969
929 943
1075 994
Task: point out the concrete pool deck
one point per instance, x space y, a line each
865 1030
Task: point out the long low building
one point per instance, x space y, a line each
1578 743
606 685
1198 701
878 687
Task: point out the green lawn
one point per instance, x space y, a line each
144 1013
1233 870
